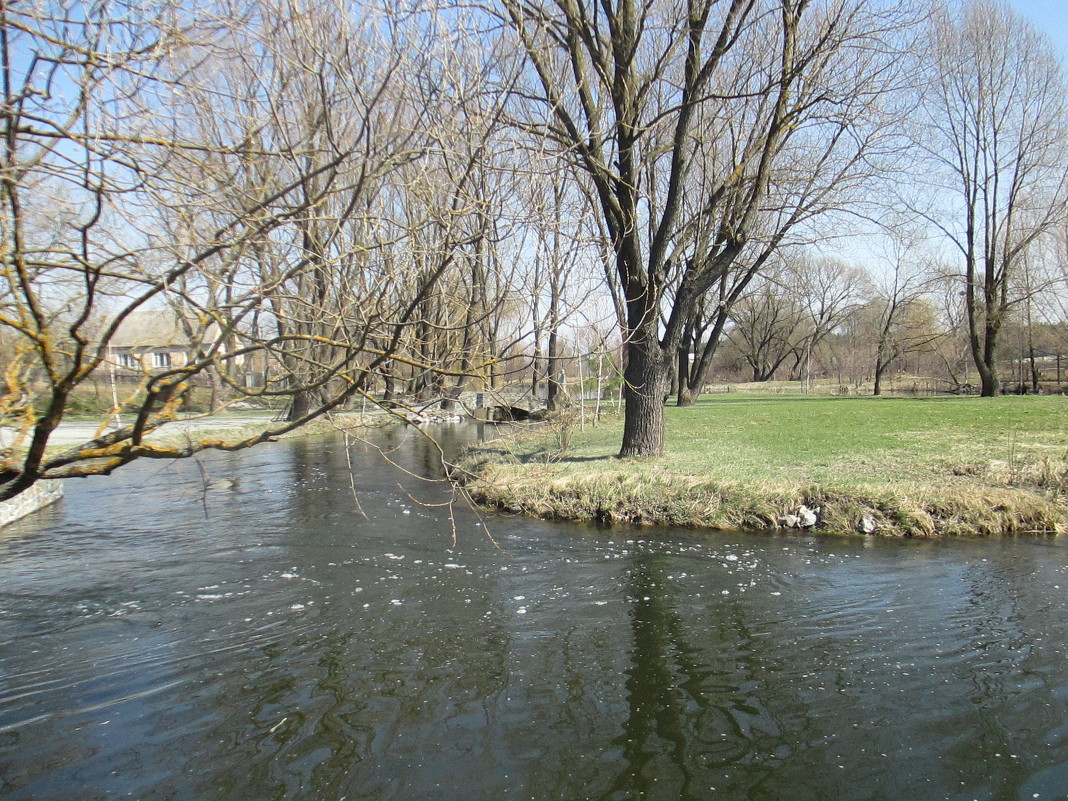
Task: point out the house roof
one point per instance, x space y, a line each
150 328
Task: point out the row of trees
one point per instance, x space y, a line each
380 200
823 321
855 334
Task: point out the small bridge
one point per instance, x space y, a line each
491 406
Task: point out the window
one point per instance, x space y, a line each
161 358
129 361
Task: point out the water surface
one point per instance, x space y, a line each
166 634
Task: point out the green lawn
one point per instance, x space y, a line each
851 440
918 465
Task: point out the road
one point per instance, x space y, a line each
74 433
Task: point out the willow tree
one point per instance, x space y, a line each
996 139
236 165
636 94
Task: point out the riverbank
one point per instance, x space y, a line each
885 466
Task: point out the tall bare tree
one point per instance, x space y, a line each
997 137
634 94
897 317
829 291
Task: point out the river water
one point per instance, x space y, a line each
165 634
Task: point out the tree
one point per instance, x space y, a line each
633 94
898 317
828 291
704 331
996 137
241 166
767 325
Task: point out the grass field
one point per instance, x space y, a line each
900 466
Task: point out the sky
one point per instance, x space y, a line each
1050 17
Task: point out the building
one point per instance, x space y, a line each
151 340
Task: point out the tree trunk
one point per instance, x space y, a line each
552 372
1032 361
986 362
685 395
389 387
645 387
990 384
982 357
301 405
535 365
880 368
704 352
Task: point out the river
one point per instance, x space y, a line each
250 627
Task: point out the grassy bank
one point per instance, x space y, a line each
891 466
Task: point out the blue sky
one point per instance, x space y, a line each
1049 16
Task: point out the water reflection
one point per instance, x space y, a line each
164 637
664 693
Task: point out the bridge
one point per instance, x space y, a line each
487 405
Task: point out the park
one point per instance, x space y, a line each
533 400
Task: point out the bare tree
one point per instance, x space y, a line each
564 262
633 92
829 291
766 328
996 135
241 169
898 316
